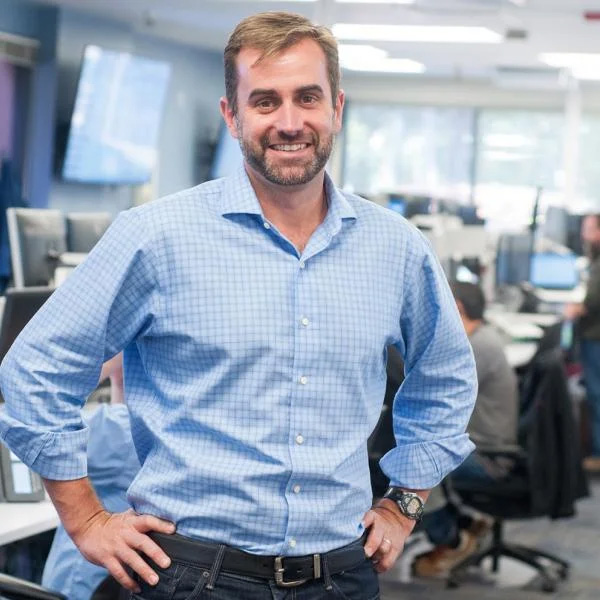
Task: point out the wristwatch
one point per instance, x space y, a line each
409 503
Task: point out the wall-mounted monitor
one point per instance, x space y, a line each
228 155
116 118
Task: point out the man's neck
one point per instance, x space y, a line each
472 326
296 211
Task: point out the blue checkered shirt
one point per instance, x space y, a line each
254 374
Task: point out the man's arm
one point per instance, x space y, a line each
389 529
54 365
111 540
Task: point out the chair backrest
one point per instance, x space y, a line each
548 433
37 238
85 229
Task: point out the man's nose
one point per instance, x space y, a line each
289 119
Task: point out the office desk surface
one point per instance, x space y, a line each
19 520
519 353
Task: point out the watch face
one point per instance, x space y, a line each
413 506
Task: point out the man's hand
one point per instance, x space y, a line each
115 540
389 529
574 311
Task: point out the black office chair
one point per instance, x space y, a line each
13 588
545 480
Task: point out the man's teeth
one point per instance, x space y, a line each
289 147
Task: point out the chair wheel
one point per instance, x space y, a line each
452 583
548 586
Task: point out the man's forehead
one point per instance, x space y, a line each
253 61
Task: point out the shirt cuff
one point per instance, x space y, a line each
54 455
421 466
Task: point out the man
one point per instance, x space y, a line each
588 314
254 312
493 423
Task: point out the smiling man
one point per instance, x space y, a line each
254 313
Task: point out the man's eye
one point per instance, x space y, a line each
309 99
266 103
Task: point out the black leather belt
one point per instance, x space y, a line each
287 571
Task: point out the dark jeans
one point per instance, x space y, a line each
590 359
184 582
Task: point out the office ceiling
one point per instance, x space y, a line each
526 29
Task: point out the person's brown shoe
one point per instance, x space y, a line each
592 464
440 560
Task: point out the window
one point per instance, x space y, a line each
421 150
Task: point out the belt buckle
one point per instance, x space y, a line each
279 571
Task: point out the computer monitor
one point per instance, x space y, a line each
85 229
37 238
554 271
19 306
513 258
397 204
556 225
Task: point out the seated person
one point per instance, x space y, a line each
112 465
494 422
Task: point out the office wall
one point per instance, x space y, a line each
7 94
191 116
40 22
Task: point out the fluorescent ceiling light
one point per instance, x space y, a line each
376 1
581 65
363 57
416 33
357 52
387 65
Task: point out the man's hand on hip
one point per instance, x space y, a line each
119 539
388 530
115 541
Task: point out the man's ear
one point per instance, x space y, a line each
228 117
338 111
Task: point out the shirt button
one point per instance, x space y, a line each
292 543
303 380
299 439
305 321
266 225
302 265
296 489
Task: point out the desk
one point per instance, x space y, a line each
19 520
521 325
561 296
519 353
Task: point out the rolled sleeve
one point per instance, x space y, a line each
56 360
54 455
435 401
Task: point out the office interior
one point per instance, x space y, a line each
488 145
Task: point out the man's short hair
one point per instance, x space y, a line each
471 297
271 33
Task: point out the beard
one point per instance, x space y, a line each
296 173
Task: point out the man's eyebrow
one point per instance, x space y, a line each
315 87
261 92
310 88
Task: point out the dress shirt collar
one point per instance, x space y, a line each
239 198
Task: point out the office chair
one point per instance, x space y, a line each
546 477
13 588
